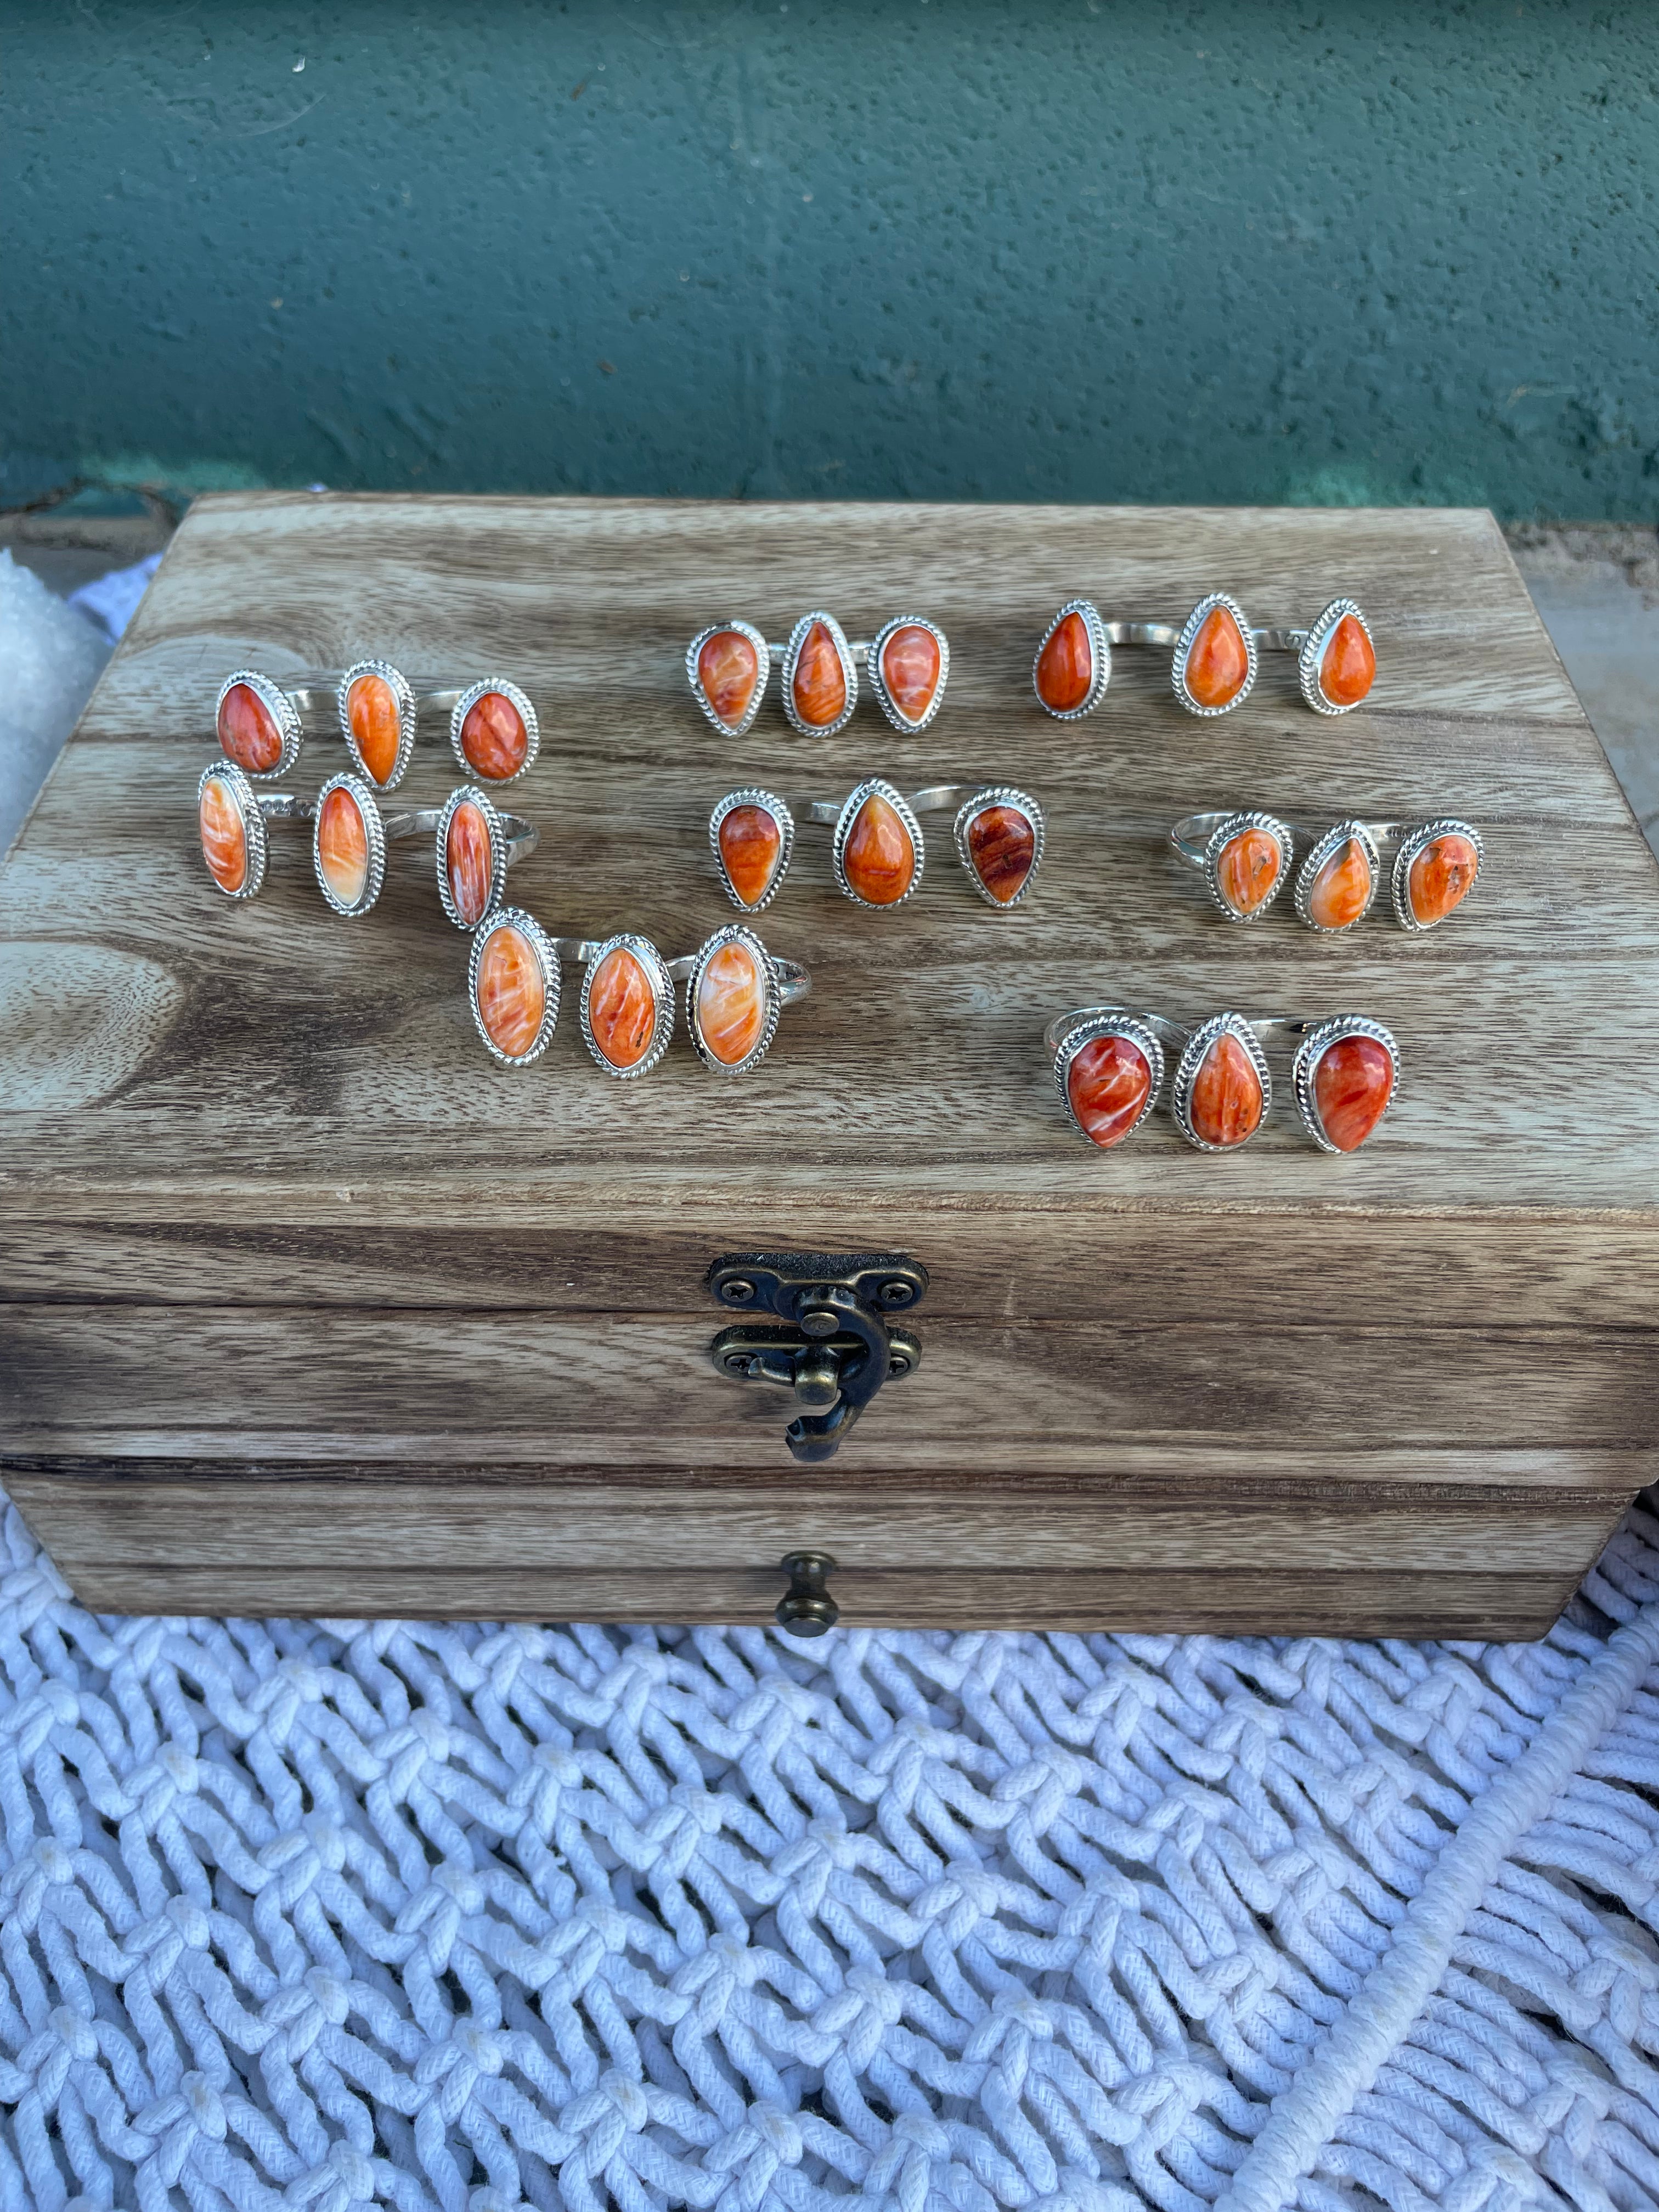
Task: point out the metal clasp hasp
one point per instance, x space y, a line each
832 1344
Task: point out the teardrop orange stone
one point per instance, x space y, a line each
512 992
494 737
620 1011
372 711
1065 666
909 669
1217 660
1248 869
1107 1084
878 858
1342 887
247 731
1441 878
224 835
731 1005
1225 1105
343 848
469 862
752 846
1353 1084
1002 846
1347 667
820 683
727 667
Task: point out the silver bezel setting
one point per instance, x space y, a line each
1410 844
463 706
362 794
662 993
733 932
798 637
1099 644
769 802
514 917
1189 630
890 707
405 698
236 782
466 794
1323 850
876 787
282 711
1234 826
1309 1054
763 671
1085 1030
1022 803
1307 666
1194 1054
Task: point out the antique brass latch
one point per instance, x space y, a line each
831 1344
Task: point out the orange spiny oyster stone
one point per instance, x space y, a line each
820 683
1217 660
752 846
469 862
372 711
512 992
247 731
224 835
879 859
730 1004
1353 1084
1441 877
343 848
1347 667
1342 887
728 669
493 736
1002 846
1065 666
622 1013
1247 870
1225 1105
910 665
1107 1084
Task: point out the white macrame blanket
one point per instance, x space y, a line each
325 1914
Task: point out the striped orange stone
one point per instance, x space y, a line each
1225 1105
224 835
1342 888
1247 870
728 668
1107 1084
910 665
879 857
730 1004
622 1013
1217 660
1353 1084
512 991
343 848
469 863
820 682
494 737
1002 848
247 731
372 711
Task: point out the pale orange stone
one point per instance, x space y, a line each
224 835
512 991
1248 869
879 859
731 1005
343 848
1225 1106
1347 667
247 731
910 665
469 863
1352 1087
1065 666
1342 888
372 710
620 1011
728 669
751 847
820 684
1217 660
1441 878
494 737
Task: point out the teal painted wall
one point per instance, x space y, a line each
1065 249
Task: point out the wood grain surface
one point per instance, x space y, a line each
265 1202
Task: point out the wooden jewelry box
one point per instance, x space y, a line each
307 1307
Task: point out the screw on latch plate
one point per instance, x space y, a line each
831 1345
806 1607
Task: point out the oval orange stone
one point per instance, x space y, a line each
752 846
247 731
512 992
731 1005
1441 877
224 835
1347 667
820 684
727 667
493 736
1107 1084
372 711
1353 1084
1002 845
1217 660
1065 666
343 848
878 858
1342 888
909 668
469 863
620 1011
1225 1106
1248 869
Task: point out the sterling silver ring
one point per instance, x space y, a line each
878 852
1245 858
908 661
1215 660
231 817
474 846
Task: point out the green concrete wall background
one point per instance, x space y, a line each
937 248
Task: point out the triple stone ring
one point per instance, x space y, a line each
906 662
1245 857
1215 657
878 851
493 730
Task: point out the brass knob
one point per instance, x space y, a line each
806 1607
